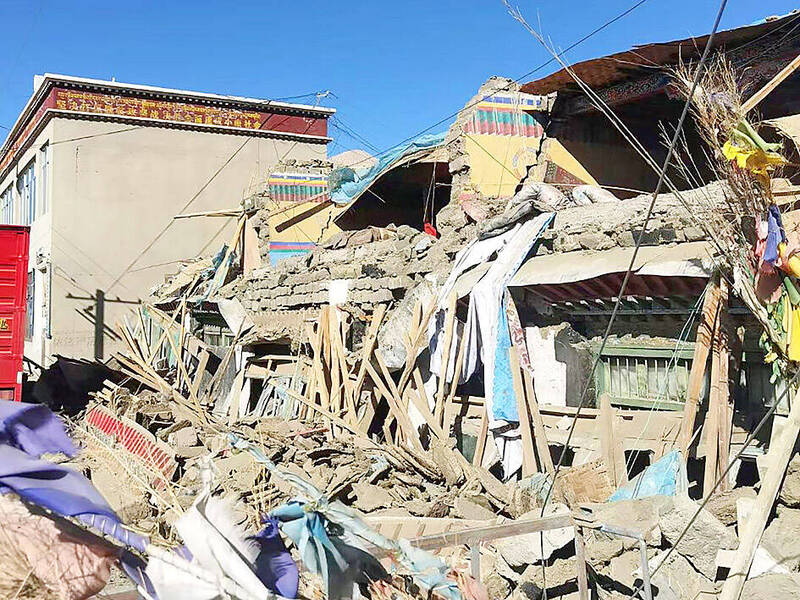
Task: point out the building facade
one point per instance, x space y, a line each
98 169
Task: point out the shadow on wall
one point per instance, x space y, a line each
65 385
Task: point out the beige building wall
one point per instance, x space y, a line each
112 189
40 235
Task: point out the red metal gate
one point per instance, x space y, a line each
13 291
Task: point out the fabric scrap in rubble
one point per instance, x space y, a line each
26 432
346 184
274 565
665 477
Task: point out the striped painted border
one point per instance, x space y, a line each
135 439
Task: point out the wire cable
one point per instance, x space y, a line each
661 180
640 239
519 79
721 478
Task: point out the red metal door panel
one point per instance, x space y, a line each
13 288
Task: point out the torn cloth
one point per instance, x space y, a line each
26 432
487 320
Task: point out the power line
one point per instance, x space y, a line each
94 135
520 78
164 230
662 178
339 124
648 215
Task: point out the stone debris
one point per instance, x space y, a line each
704 538
723 504
772 586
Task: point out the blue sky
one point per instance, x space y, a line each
394 67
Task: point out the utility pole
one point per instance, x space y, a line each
99 323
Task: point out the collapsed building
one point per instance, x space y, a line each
495 338
367 239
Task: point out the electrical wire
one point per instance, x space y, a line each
639 241
661 180
164 230
518 80
722 478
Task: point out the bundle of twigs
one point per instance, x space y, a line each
746 194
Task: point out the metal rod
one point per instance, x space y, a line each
475 561
580 556
648 591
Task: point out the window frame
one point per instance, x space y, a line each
30 305
44 168
8 205
26 190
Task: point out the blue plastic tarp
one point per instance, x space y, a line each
665 477
346 184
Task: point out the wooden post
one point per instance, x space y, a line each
449 325
480 445
702 346
528 457
613 455
781 453
580 560
718 415
540 435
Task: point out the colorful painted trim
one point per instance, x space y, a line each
524 101
298 187
71 102
506 115
503 122
279 251
137 441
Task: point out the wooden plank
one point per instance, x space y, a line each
580 559
395 402
221 212
750 535
480 445
318 409
702 346
418 344
753 100
492 532
419 399
724 402
718 394
539 432
449 325
605 424
198 374
528 455
333 363
369 344
462 346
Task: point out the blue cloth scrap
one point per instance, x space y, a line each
346 185
504 399
775 235
34 429
26 432
665 477
274 565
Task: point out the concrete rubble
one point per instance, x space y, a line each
358 372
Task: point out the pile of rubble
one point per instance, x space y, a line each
422 493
